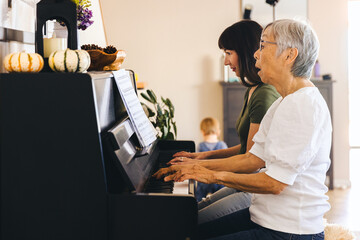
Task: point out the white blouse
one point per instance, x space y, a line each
294 140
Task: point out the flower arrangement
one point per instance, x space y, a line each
84 14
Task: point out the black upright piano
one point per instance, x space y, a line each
71 167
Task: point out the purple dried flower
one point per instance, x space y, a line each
84 14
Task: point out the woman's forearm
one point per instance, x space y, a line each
241 163
223 153
252 183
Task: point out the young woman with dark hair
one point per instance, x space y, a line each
243 39
239 43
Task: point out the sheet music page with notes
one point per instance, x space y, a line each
145 131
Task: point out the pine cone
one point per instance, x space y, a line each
91 47
110 49
85 47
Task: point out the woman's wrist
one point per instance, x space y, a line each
219 177
207 154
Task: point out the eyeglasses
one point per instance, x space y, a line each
263 41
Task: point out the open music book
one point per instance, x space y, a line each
143 128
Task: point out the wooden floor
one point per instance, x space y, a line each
345 208
345 203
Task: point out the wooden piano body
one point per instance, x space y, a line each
58 179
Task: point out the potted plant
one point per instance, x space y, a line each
163 116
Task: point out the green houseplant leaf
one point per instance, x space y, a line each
145 96
152 96
148 111
161 115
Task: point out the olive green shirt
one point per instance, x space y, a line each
254 110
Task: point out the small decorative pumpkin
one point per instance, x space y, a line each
69 61
23 62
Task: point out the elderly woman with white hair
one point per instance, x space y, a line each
291 148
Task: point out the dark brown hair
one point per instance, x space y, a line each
244 38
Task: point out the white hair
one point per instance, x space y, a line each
295 34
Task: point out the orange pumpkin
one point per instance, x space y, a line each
23 62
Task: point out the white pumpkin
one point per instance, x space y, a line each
23 62
69 61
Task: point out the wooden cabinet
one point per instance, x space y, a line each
233 100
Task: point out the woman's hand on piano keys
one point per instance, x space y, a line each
179 173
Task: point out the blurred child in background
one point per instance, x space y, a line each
210 129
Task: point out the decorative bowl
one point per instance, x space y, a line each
101 61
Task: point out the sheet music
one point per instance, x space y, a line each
143 128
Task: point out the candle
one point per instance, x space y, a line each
54 44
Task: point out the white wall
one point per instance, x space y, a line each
330 21
263 13
172 45
95 33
